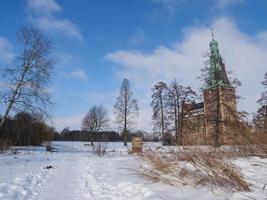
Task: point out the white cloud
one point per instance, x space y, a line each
42 13
138 37
262 36
144 121
80 74
65 58
6 51
47 6
227 3
58 25
244 54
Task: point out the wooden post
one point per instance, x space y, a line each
137 145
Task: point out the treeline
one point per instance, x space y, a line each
107 136
26 129
79 135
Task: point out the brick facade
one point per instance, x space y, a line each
199 126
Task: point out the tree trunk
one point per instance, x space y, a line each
125 133
12 100
181 123
92 138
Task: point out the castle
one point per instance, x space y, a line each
211 122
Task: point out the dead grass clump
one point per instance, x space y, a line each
193 167
160 162
100 148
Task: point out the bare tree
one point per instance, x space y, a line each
263 100
126 108
177 95
158 104
260 118
95 121
27 79
264 82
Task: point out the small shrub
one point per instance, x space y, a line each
100 148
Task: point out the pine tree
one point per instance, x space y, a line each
159 106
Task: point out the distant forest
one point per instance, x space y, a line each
26 129
103 136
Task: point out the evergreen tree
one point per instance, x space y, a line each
159 106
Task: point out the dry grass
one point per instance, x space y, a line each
100 148
192 166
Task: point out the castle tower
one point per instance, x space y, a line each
219 101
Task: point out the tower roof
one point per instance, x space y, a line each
217 71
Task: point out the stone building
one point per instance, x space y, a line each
211 121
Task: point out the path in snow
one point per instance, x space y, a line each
85 176
64 180
108 178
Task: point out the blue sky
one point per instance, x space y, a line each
99 42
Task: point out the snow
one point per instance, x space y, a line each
78 174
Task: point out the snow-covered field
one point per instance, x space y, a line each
78 174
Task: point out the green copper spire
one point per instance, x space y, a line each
217 72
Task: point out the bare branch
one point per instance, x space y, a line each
29 75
